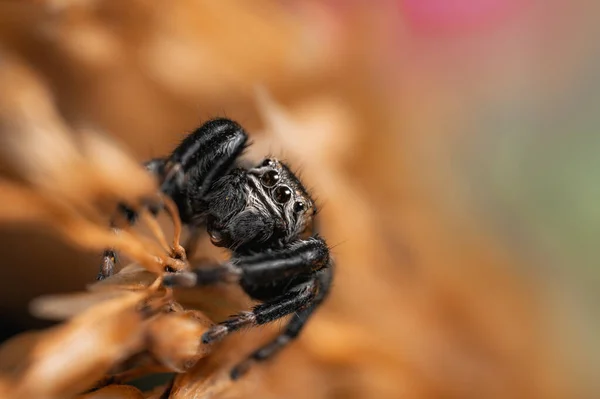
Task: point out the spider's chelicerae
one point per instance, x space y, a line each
262 214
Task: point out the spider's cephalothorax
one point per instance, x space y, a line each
256 209
262 214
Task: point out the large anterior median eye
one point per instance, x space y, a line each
282 194
270 178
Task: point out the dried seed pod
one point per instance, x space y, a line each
174 339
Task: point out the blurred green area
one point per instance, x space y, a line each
532 170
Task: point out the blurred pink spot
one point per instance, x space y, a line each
458 15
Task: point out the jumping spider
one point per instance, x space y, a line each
262 214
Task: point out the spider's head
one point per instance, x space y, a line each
272 207
279 192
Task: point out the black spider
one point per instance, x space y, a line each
261 214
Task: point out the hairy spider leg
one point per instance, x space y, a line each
301 257
206 154
322 282
308 257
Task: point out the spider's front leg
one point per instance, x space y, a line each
201 158
309 258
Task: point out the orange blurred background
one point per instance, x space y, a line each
451 144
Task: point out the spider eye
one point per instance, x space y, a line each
268 162
299 206
283 194
270 178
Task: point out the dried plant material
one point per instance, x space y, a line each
174 339
116 174
171 209
131 277
114 392
73 187
65 306
144 367
21 204
155 228
27 204
13 353
94 341
322 126
210 377
47 155
30 205
204 381
285 44
106 328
